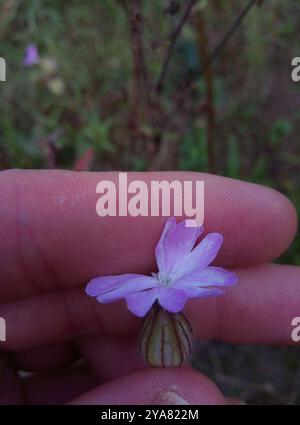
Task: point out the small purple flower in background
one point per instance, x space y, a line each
31 55
184 272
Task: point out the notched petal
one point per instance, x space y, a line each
211 276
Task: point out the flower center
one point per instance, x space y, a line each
163 280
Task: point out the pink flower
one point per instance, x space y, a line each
31 55
183 272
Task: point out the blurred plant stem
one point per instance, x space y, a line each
174 36
232 30
141 86
203 48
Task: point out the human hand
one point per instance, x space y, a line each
52 243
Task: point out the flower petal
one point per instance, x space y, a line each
201 256
174 244
182 239
211 276
101 285
160 250
140 303
172 299
130 286
195 292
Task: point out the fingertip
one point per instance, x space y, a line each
260 225
282 222
286 210
172 386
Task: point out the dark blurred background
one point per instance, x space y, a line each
162 84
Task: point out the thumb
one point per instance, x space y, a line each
172 386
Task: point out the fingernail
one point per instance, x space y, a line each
169 397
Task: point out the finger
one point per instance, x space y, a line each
59 387
51 236
10 384
156 386
257 310
111 357
44 388
45 359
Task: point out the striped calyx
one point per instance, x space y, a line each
165 338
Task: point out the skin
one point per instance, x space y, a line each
52 243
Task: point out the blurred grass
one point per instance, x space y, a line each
78 99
